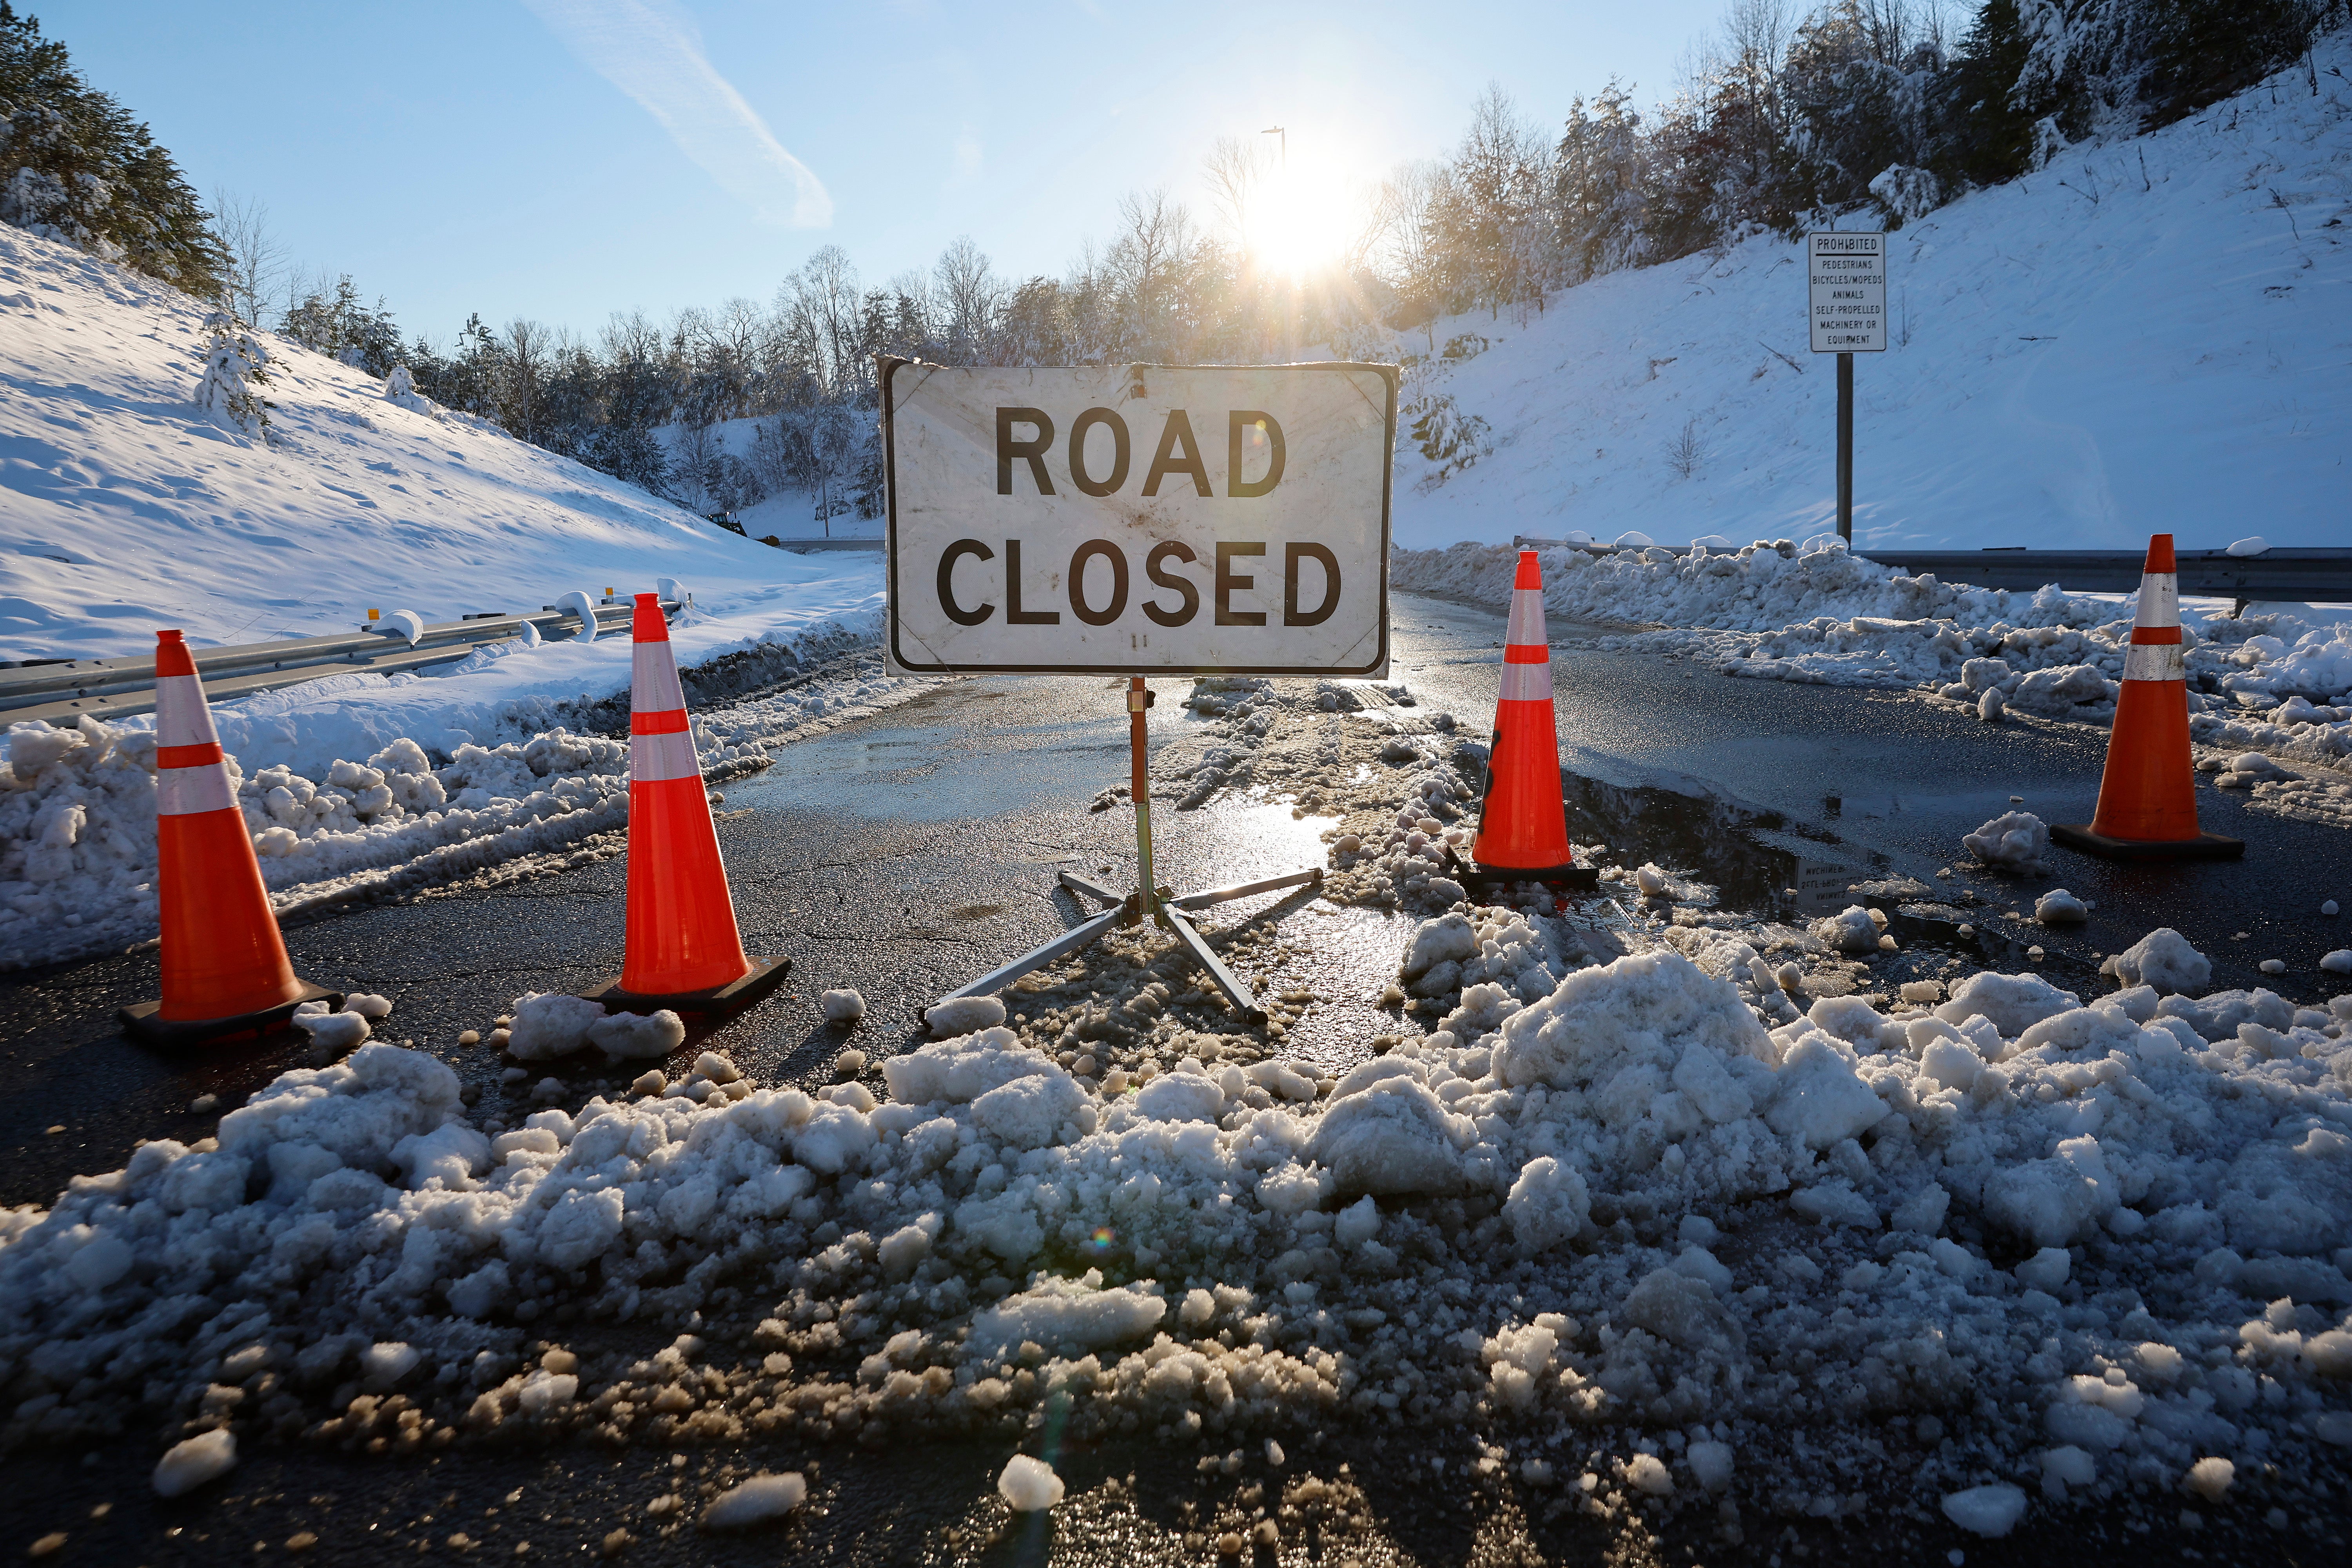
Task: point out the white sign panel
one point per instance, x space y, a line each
1139 519
1846 279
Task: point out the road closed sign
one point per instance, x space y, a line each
1139 519
1846 287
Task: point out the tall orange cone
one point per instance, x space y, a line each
1523 823
2147 796
683 950
225 965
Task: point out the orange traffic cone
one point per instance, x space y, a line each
1523 823
225 965
2147 796
683 950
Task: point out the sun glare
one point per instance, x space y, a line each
1297 222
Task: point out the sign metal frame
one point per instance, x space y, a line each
1375 667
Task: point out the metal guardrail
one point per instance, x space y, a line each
869 541
2290 576
118 688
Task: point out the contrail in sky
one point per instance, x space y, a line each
652 50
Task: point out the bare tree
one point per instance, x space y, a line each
254 257
969 298
529 356
1235 170
698 446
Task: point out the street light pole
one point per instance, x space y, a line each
1285 134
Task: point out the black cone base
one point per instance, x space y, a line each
1471 874
2204 847
764 976
142 1023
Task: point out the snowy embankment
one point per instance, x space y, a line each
2272 686
127 508
1673 1221
2147 336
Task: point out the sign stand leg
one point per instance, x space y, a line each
1146 901
1845 447
1139 784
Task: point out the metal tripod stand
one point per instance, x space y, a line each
1149 901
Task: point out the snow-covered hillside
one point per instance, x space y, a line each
2150 335
123 506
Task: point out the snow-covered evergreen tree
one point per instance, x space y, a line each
75 166
236 375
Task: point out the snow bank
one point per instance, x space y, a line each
2275 684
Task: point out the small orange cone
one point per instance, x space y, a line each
1523 823
225 965
2147 796
683 950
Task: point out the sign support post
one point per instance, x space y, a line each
1845 447
1138 776
1845 279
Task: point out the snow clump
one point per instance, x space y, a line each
755 1501
1029 1484
842 1006
2013 841
2164 959
189 1464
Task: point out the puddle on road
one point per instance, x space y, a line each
1750 856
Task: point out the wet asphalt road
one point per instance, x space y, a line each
903 854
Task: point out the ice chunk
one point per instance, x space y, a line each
1067 1316
2210 1477
1649 1006
1820 1101
2252 544
1989 1510
189 1465
2164 959
1648 1473
628 1037
2010 1002
1029 1484
1548 1204
1392 1138
1357 1223
2059 907
2050 1202
2067 1465
1851 931
2221 1015
2013 841
845 1007
2339 961
1677 1308
762 1497
964 1015
1710 1463
1181 1097
367 1006
1031 1112
1952 1064
548 1024
335 1032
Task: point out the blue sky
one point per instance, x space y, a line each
564 159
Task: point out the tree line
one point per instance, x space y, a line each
1787 117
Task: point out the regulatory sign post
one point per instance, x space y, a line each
1845 277
1139 521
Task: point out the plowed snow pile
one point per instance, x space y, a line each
2270 692
1666 1219
124 507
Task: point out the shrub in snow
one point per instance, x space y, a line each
1029 1484
755 1501
235 377
2013 841
2164 959
1903 193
